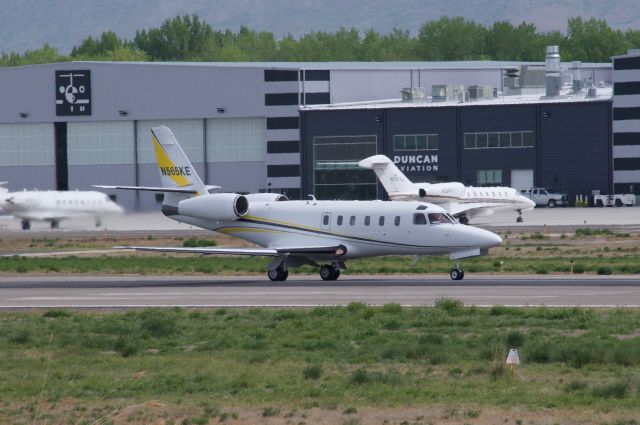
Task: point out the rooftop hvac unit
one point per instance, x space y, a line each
480 92
444 92
413 94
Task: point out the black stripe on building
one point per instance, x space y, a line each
620 114
282 123
627 188
283 146
283 170
622 164
632 87
620 64
625 139
315 98
280 75
280 99
317 75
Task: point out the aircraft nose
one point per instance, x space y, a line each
486 239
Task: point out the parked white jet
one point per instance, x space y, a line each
54 206
307 232
462 202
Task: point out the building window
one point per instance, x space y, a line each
415 142
502 139
336 171
489 178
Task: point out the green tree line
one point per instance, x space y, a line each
188 38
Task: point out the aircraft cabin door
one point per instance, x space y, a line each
326 221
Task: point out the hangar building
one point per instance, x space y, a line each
70 125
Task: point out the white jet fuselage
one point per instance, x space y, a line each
57 205
356 225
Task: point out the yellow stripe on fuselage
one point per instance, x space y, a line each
267 221
246 229
164 161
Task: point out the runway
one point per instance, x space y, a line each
23 292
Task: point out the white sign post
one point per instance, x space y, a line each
513 359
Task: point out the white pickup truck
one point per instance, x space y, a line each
546 197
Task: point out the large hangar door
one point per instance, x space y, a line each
522 179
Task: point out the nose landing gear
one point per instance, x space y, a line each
519 219
456 273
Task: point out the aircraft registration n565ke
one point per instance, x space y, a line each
306 232
462 202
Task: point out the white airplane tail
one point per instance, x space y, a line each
179 179
174 167
389 175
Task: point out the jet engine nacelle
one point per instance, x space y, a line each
442 191
216 206
266 197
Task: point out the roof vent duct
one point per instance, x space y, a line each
576 77
552 71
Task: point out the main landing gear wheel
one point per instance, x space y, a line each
519 219
278 275
26 225
328 272
457 274
55 224
463 219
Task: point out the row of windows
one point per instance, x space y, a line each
503 139
415 142
418 219
489 177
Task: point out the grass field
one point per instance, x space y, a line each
350 365
587 250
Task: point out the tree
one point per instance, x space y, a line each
449 39
593 40
179 39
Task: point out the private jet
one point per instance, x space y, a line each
323 234
54 206
460 201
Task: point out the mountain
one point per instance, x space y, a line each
28 24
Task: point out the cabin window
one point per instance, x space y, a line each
381 221
367 220
339 220
419 219
352 220
397 221
325 220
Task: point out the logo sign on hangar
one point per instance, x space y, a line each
73 92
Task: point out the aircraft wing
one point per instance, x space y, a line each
263 252
471 209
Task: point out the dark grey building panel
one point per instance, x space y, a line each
576 147
37 177
81 177
496 119
567 145
424 121
632 62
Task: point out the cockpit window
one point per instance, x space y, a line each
439 218
419 218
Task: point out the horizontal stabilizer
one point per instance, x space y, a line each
155 189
